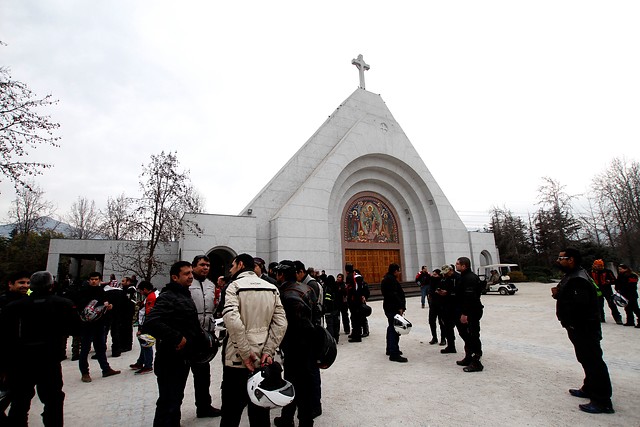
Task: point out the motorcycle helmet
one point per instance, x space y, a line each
401 325
620 300
326 348
267 389
92 311
146 340
207 351
366 310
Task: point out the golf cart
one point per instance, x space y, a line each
495 278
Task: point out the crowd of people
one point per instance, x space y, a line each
268 312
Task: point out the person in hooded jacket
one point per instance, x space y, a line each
627 285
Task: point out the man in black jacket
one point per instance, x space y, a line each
93 328
394 303
173 321
468 291
34 330
300 306
577 309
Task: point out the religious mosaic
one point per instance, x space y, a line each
369 220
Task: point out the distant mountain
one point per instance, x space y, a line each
47 224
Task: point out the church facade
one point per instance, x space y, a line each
357 191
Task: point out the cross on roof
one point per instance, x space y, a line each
362 67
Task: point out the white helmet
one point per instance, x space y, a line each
401 325
218 325
267 389
92 311
146 340
620 300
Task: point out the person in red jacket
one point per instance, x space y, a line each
144 364
604 278
627 285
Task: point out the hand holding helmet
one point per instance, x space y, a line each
267 389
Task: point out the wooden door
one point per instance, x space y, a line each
372 263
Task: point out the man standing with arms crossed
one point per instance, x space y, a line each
256 323
203 294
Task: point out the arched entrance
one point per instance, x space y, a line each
371 238
220 258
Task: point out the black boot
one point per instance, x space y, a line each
449 349
434 340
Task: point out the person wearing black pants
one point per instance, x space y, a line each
394 303
32 332
344 304
468 291
448 308
627 285
175 325
577 309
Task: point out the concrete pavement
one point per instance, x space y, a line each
529 367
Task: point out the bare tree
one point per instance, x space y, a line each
30 210
618 190
167 194
117 223
555 224
21 129
84 219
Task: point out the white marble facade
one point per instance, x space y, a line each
299 213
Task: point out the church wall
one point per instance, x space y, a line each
166 253
479 242
235 232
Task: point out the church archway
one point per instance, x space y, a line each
371 235
220 258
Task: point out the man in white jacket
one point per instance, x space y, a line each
203 294
256 323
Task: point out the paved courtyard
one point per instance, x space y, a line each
529 366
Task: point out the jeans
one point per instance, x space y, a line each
94 333
393 338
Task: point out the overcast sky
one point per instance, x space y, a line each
494 95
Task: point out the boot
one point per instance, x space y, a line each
434 340
474 366
449 349
466 361
443 341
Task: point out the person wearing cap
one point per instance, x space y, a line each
446 294
604 278
627 285
299 301
577 309
256 323
33 332
260 270
468 291
203 293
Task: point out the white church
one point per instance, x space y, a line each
357 191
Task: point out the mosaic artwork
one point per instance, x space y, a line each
369 220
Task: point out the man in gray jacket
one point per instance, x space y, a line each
256 323
203 294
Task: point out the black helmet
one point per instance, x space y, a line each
207 350
366 310
325 349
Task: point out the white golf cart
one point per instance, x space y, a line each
499 282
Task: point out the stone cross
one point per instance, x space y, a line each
362 67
